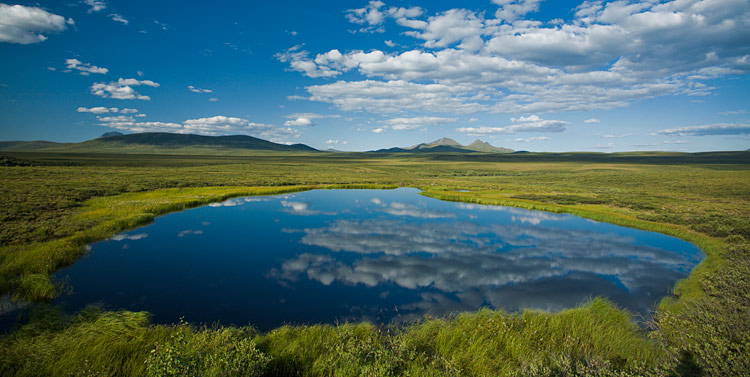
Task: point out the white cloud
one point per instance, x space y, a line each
331 141
379 130
592 120
199 90
84 68
118 18
105 110
529 140
532 123
299 122
121 89
708 130
25 25
97 110
213 126
397 96
510 10
401 124
95 5
607 56
298 61
460 26
305 119
370 16
213 99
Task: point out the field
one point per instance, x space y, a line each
56 203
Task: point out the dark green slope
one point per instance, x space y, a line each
169 140
161 143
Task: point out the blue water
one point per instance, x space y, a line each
329 256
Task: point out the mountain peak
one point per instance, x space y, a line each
483 146
478 142
439 142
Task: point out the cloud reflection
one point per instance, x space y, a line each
129 237
238 201
461 265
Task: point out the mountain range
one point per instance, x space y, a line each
169 143
448 145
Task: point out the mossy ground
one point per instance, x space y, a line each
56 204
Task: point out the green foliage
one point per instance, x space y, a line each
211 353
712 333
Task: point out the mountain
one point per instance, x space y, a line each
448 145
442 142
161 143
483 146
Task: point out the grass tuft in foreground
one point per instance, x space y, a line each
596 337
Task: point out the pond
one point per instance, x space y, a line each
328 256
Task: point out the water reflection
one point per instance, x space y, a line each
508 266
328 255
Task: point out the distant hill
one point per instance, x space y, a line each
160 143
448 145
111 134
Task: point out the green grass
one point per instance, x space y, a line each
57 203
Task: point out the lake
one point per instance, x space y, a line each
328 256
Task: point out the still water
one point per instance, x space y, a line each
377 255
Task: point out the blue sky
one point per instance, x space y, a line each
360 75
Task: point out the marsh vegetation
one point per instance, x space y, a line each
57 204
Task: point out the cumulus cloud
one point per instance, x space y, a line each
400 124
592 120
211 126
298 60
105 110
301 121
397 96
708 130
25 25
84 68
510 10
609 55
370 16
306 119
122 89
532 123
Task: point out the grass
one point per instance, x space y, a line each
57 203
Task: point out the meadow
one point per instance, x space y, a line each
56 203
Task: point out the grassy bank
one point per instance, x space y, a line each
57 204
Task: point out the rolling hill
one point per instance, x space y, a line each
160 143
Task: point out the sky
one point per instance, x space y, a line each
536 75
